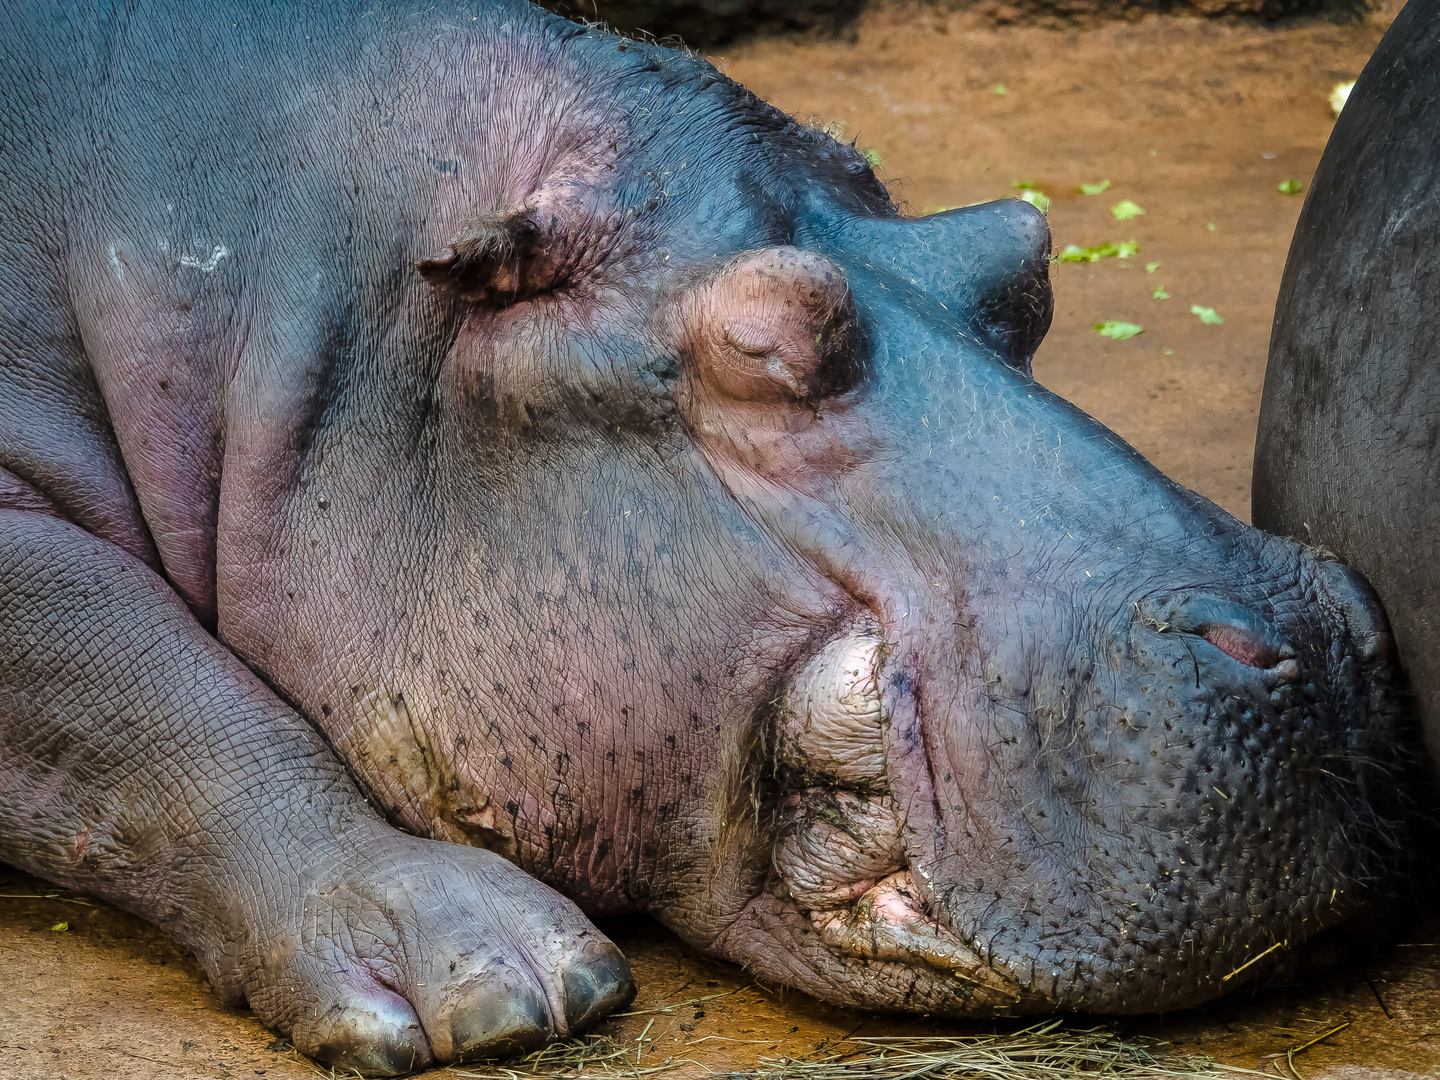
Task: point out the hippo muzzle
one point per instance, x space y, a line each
1130 832
1087 741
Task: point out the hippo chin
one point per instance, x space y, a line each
454 424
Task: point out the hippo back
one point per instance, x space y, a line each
1348 455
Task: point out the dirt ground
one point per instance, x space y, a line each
1197 122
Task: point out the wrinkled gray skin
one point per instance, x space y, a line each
460 425
1348 454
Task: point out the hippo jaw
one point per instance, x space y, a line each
840 851
866 854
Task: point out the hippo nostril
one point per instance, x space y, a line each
1240 644
1350 601
1239 632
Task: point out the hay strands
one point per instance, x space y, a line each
45 896
1048 1051
678 1004
1289 1055
596 1055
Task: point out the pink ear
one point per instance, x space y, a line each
774 324
494 259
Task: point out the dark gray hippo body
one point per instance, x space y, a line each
1348 455
464 472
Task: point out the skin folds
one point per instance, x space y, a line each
522 438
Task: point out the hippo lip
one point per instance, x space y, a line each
840 851
891 921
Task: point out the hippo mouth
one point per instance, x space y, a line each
1184 868
840 851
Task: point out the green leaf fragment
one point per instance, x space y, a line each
1126 210
1210 225
1037 199
1120 331
60 927
1094 189
1207 315
1108 250
1150 268
873 157
1025 185
1290 187
1160 294
1000 88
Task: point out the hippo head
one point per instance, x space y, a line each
732 566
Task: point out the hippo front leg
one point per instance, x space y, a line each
141 762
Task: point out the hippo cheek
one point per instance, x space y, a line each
842 854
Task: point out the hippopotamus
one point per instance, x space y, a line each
1348 454
466 473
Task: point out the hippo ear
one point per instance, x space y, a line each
774 324
493 259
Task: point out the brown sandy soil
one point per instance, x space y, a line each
1178 114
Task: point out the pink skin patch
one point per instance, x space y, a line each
1240 645
897 904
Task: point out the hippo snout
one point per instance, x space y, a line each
1115 822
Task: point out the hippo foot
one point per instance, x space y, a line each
391 954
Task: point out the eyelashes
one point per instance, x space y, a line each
774 324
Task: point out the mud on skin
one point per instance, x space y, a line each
466 472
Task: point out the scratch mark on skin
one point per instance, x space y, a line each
117 264
218 252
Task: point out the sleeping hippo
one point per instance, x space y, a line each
465 472
1349 450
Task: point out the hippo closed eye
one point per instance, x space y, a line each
462 473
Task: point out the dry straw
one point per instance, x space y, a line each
1048 1051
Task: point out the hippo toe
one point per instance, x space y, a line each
404 953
